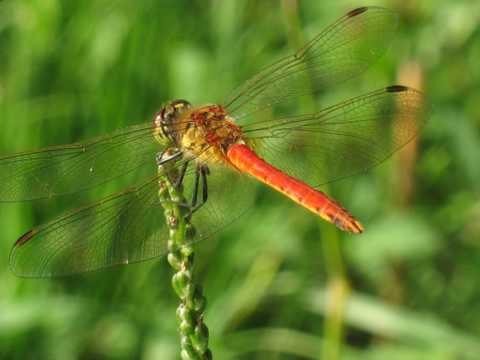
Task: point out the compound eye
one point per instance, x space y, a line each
180 105
158 118
168 113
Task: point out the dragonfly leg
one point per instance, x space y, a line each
201 173
179 180
193 204
204 172
167 155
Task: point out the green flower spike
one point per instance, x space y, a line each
190 312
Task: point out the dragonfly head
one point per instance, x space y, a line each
165 121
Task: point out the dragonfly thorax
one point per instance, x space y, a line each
207 132
203 133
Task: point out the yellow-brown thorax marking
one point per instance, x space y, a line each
205 133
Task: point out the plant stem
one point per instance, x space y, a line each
338 290
190 312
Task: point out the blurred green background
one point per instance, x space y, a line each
280 283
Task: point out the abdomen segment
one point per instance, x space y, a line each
246 160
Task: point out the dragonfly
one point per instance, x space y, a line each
220 151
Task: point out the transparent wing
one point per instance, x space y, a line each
125 228
230 196
66 169
341 51
120 229
344 139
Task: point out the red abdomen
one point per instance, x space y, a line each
245 160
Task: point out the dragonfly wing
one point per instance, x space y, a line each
124 228
66 169
343 50
231 195
127 227
344 139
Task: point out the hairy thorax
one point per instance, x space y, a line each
206 133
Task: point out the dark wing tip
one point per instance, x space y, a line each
357 11
24 238
396 88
